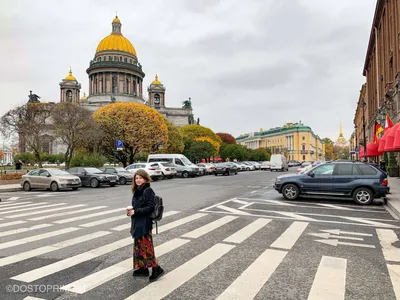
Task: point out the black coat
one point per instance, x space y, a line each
143 204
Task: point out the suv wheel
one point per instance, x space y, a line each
185 174
290 191
363 196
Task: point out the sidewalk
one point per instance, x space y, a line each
394 196
10 188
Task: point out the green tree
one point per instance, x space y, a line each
175 140
141 128
196 150
234 151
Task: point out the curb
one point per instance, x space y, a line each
10 190
393 209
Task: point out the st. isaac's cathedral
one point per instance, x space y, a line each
116 75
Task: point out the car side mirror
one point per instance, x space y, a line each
83 173
311 174
48 175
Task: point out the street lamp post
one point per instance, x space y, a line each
363 104
355 127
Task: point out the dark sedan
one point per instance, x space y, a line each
361 181
93 177
226 169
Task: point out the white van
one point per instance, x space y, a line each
278 162
183 166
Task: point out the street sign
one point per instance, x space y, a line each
356 150
119 144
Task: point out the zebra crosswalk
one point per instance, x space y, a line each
88 251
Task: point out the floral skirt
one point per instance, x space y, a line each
143 252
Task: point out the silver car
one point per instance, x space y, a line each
49 178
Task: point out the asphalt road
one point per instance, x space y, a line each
221 238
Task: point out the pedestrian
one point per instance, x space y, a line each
141 227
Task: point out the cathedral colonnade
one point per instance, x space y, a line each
115 83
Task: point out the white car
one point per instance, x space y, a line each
167 169
210 168
151 168
266 165
304 169
49 178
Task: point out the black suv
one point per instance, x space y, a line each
361 181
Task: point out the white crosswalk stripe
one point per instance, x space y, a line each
198 230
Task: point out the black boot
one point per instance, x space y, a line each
141 272
156 273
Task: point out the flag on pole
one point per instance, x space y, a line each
388 122
377 131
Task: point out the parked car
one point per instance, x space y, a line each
209 168
124 176
361 181
266 165
167 170
93 177
226 169
304 169
294 163
49 178
278 163
151 168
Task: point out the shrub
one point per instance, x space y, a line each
14 176
88 160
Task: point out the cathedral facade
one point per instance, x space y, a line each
116 75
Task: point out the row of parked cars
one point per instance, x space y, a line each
158 166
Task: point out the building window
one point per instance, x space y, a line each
126 60
130 60
304 138
304 157
303 147
115 58
120 58
110 58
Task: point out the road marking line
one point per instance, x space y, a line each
369 221
243 234
37 237
334 206
330 280
94 280
253 192
239 201
33 298
128 225
294 216
30 208
394 273
89 216
279 203
338 231
387 238
14 204
174 279
328 235
12 223
313 220
104 221
13 198
212 206
209 227
45 211
71 261
20 230
250 282
22 204
46 249
335 242
232 210
288 238
67 213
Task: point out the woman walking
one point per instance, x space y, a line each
141 227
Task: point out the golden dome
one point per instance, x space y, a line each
116 41
70 76
116 20
84 98
156 81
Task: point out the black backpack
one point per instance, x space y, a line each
157 214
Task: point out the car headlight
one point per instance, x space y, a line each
101 177
63 180
277 180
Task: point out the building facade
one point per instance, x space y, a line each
7 156
382 66
295 140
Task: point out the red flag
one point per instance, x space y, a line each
377 131
388 122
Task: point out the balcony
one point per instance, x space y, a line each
304 152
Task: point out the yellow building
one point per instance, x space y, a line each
295 140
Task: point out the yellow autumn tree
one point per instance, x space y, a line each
194 131
141 128
215 143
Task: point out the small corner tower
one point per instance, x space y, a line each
70 89
156 92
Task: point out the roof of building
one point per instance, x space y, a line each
116 42
84 98
289 127
156 81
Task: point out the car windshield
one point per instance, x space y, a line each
120 169
57 172
93 170
186 161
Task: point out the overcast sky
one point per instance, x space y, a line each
246 64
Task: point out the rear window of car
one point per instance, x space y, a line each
347 170
367 170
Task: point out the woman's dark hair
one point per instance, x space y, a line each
144 175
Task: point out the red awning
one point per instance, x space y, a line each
396 143
382 142
390 138
361 154
372 149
